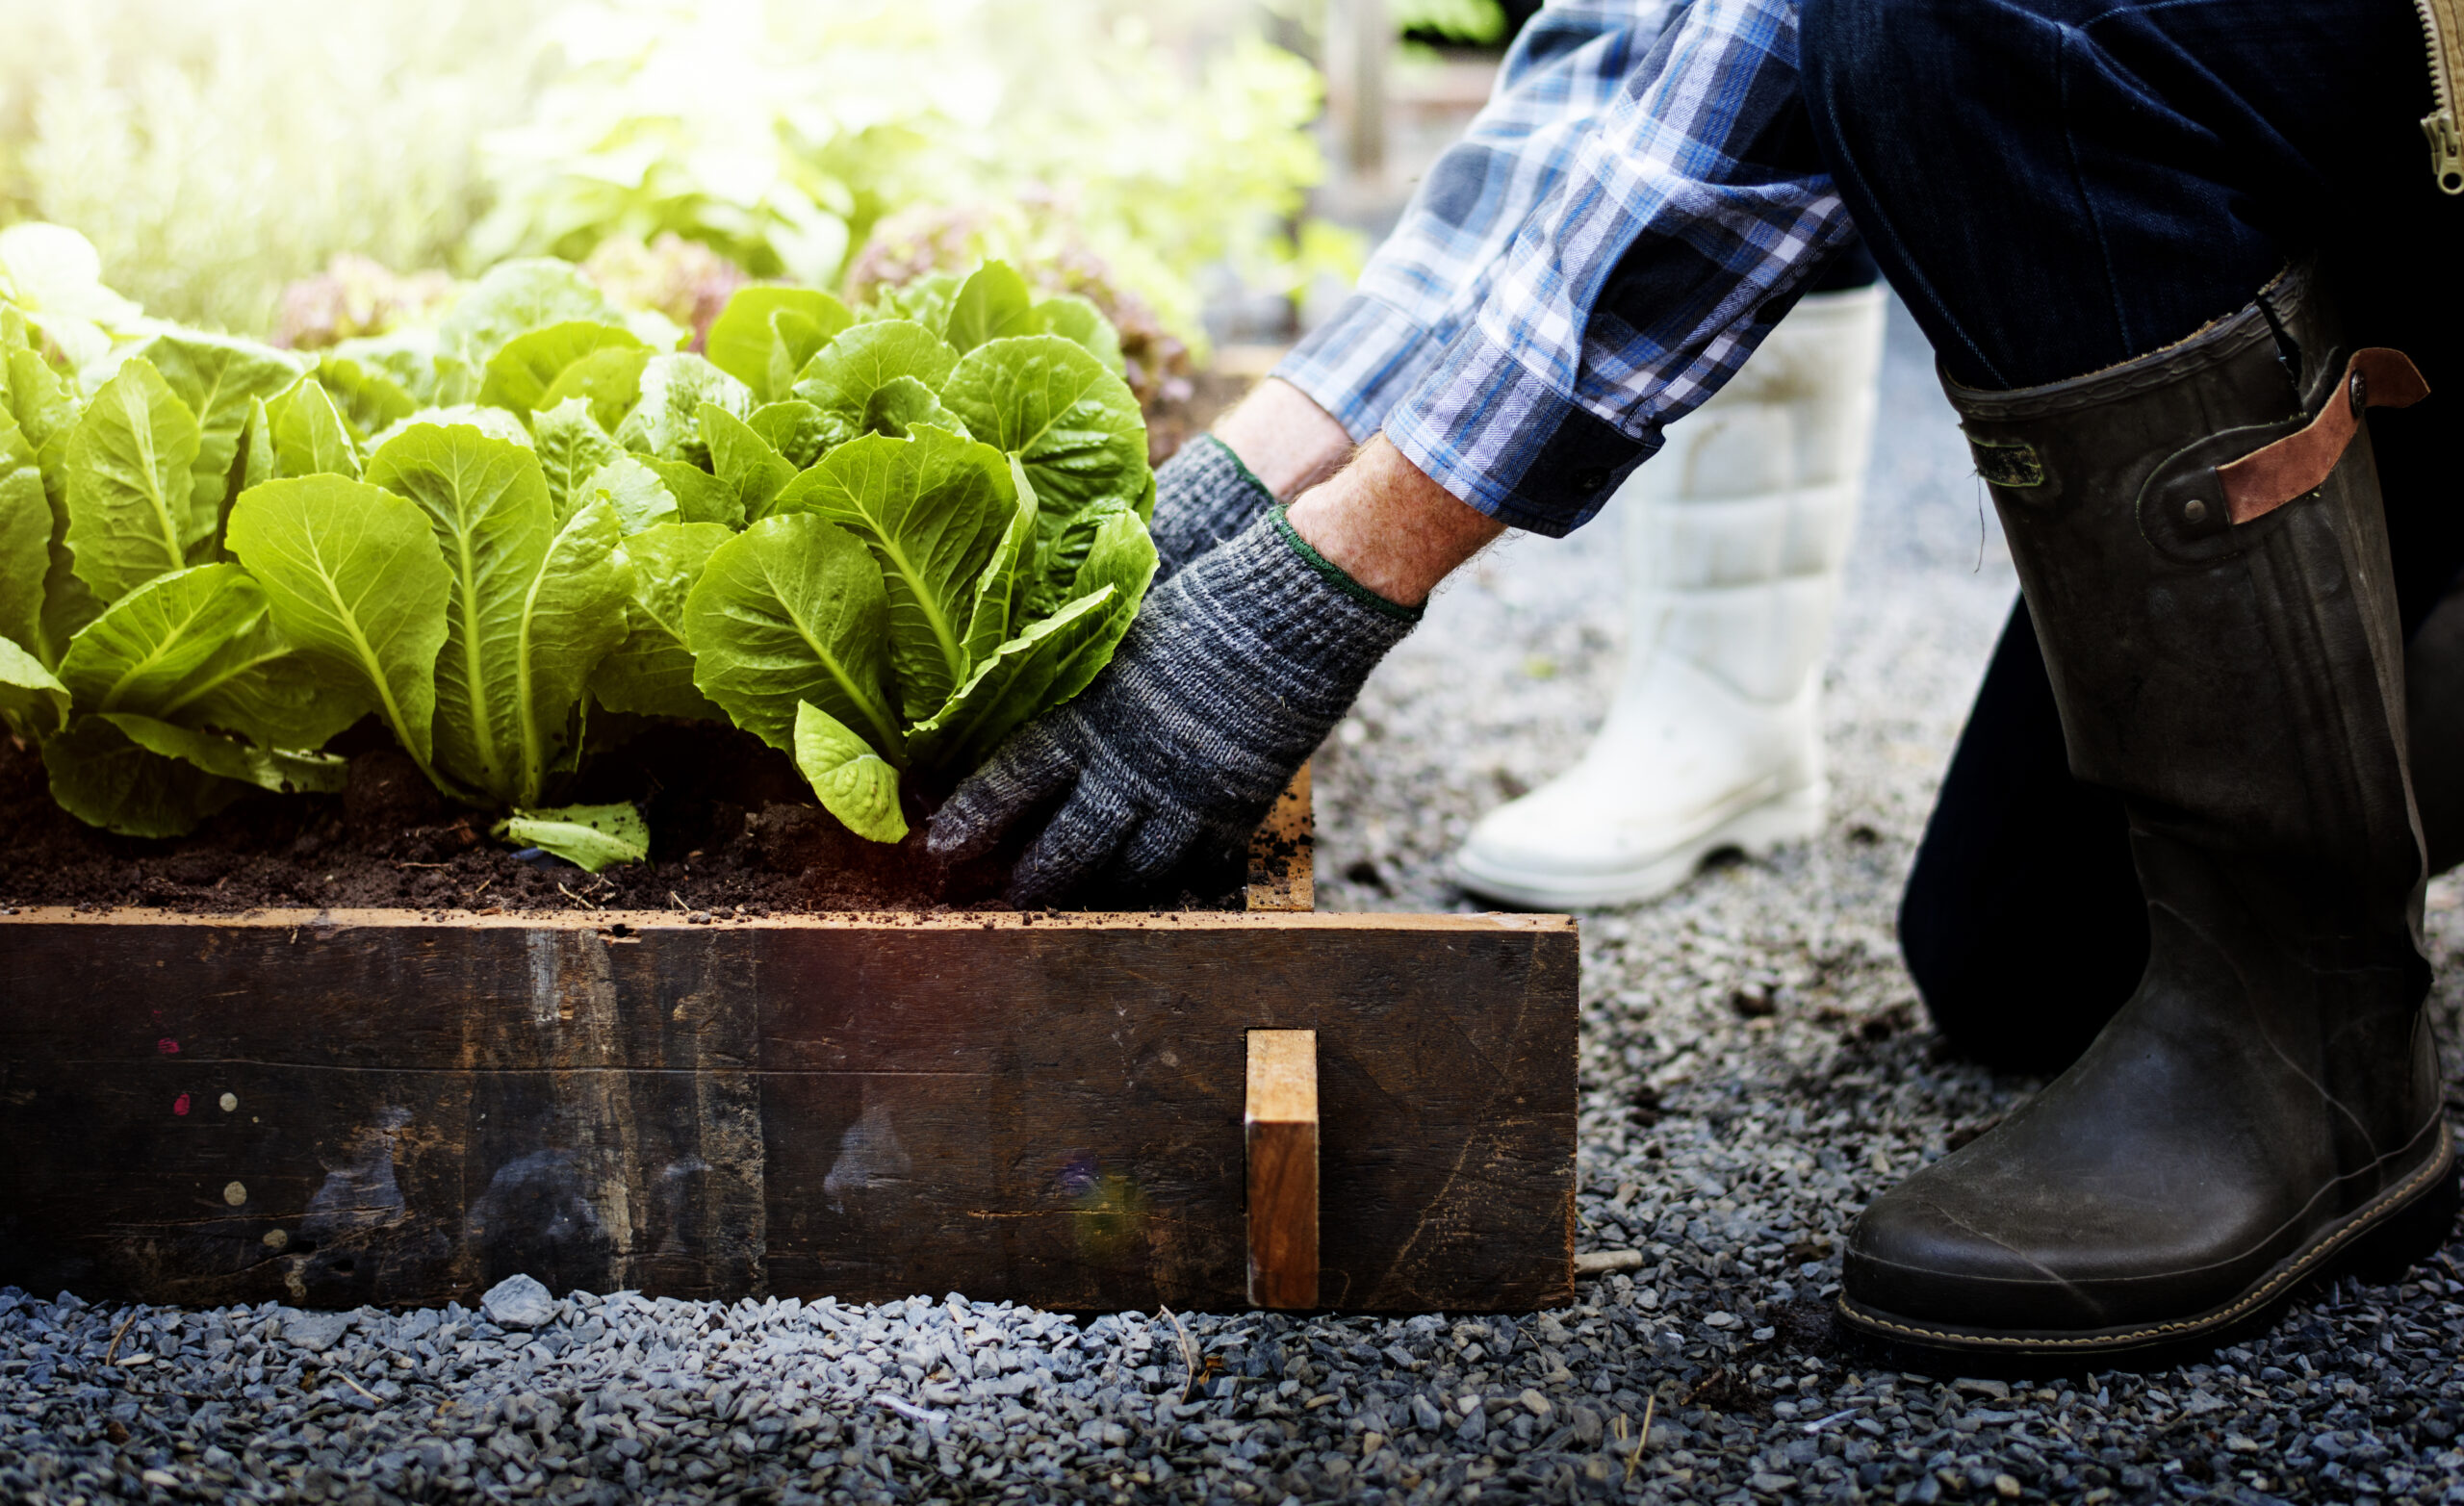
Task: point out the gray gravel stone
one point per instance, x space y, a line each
315 1332
518 1302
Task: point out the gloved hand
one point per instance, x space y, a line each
1234 672
1203 496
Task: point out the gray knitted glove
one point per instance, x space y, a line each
1203 496
1232 676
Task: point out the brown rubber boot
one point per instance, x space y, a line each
2224 647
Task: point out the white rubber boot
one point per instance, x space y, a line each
1735 532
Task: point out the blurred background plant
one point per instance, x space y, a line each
212 150
1163 137
218 150
1460 23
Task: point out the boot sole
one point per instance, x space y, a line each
1796 816
2378 1243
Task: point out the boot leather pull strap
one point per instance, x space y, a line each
2266 479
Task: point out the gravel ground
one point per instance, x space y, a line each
1754 1069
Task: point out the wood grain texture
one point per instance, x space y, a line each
1041 1108
1279 1128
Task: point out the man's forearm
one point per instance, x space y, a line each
1287 441
1389 527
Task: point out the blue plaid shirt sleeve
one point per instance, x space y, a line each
1633 210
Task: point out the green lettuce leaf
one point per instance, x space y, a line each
902 405
132 506
355 581
1015 683
650 673
641 499
667 423
514 298
794 609
38 401
571 445
25 539
404 360
794 341
533 608
1121 560
495 422
744 462
457 384
932 509
1054 659
1000 589
744 335
590 837
54 279
371 400
105 779
925 301
992 304
44 401
265 767
33 701
69 603
521 375
1071 422
608 380
800 432
700 497
219 380
855 784
309 435
850 369
198 647
254 464
1064 551
1075 320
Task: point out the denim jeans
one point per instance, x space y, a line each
2055 186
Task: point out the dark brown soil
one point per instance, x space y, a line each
734 831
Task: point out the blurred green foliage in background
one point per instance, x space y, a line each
214 150
1471 23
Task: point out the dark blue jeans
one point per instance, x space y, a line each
2055 186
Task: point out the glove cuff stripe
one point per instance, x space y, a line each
1335 575
1247 476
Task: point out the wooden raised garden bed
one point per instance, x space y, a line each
331 1108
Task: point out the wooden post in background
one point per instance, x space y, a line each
1360 38
1281 1127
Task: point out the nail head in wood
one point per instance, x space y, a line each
1281 1128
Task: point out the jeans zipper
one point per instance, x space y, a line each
2443 23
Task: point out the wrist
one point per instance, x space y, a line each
1336 576
1389 528
1282 438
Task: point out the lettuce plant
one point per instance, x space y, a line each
878 539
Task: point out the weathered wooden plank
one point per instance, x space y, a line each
1038 1107
1279 1130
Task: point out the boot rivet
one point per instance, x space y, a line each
2194 511
2358 393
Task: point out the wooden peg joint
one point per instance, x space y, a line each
1281 1129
